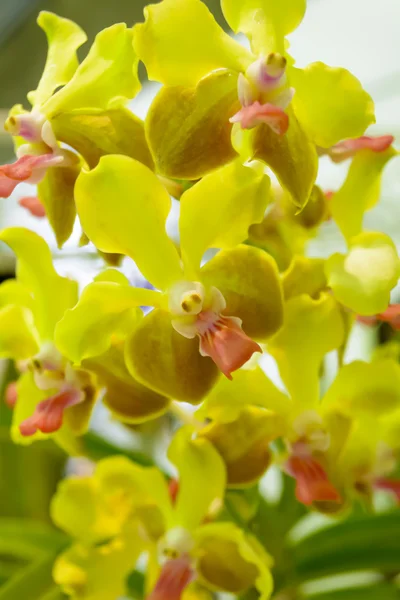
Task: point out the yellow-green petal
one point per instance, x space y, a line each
14 292
128 400
292 157
180 42
123 208
165 361
248 279
201 476
311 329
244 443
363 278
227 399
88 329
264 22
106 78
360 191
52 294
345 112
18 336
95 132
99 573
64 37
362 388
188 129
304 276
232 561
218 210
56 193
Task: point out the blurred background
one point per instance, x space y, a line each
361 35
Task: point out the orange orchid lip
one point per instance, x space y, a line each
175 575
312 483
224 340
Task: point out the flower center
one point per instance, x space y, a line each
198 312
264 94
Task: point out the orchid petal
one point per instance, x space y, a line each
201 478
128 400
123 208
56 192
95 132
363 278
87 329
107 76
264 22
52 294
311 329
304 276
292 157
325 117
64 37
167 362
232 561
18 339
28 168
244 443
362 388
188 129
99 572
28 397
360 191
203 46
227 399
218 211
249 281
33 205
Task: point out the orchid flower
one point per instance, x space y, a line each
210 81
79 105
252 412
51 397
124 506
229 304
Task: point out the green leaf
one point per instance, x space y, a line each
107 76
360 191
95 132
34 582
362 279
188 129
56 192
327 118
202 45
371 542
292 157
123 208
26 539
218 211
64 38
264 22
381 591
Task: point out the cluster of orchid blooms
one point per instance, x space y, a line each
235 135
